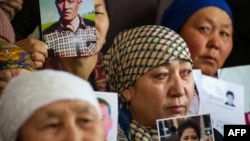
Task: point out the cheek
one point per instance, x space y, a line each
102 26
196 43
195 46
97 132
225 51
156 95
190 90
150 93
60 8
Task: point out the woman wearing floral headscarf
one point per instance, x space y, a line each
151 69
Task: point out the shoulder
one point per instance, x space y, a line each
51 28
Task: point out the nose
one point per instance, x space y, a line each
66 4
73 133
176 86
214 40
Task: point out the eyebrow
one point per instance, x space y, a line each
77 110
224 25
83 110
182 61
53 114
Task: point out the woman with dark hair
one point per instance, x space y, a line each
189 130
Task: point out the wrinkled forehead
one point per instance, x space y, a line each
67 107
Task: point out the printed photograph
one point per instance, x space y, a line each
108 103
195 128
68 27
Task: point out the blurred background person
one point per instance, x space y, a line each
50 105
13 59
211 23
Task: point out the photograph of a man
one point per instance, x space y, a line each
230 98
72 35
69 20
106 115
108 102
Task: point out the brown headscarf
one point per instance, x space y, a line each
136 51
133 53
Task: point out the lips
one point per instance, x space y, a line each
209 59
66 13
176 109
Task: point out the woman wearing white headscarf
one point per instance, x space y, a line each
49 105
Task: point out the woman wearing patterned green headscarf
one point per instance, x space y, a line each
151 69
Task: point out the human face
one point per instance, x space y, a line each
102 23
7 74
208 33
165 91
68 9
106 118
230 99
189 134
69 120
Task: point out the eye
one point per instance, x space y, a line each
203 29
187 72
52 125
162 75
1 88
224 33
194 137
100 9
98 13
84 121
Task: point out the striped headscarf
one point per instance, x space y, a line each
133 53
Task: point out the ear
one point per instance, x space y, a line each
127 94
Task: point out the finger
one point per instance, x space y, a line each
8 10
17 5
38 64
33 45
36 56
